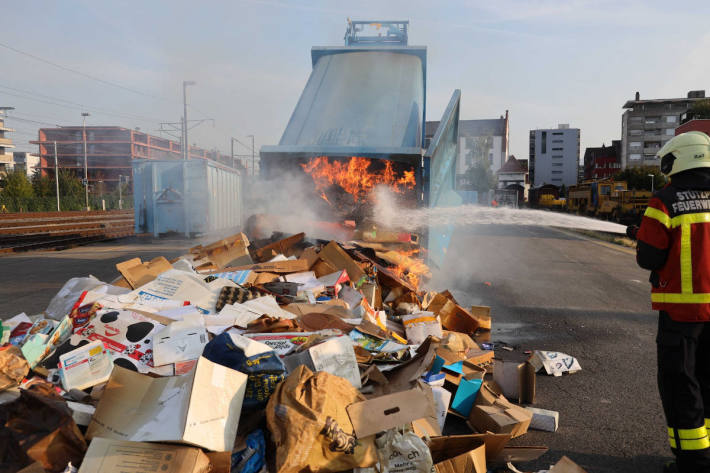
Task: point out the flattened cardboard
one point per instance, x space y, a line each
334 255
565 465
466 393
119 456
201 408
389 411
519 454
516 379
495 443
458 454
182 340
482 314
555 363
281 247
278 267
138 273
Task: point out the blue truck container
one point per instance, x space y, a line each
191 197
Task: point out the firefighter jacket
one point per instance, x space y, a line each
674 243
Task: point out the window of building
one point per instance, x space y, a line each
556 172
557 164
635 144
557 149
634 156
490 158
543 145
635 132
556 179
556 156
670 131
557 141
670 118
557 133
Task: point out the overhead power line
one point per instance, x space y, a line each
82 74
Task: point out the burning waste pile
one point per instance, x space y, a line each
278 355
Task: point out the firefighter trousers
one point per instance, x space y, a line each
684 386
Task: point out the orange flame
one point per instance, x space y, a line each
355 177
408 267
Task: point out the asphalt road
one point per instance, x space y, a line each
548 290
556 291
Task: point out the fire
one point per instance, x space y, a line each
406 265
355 177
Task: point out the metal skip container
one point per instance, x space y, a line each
190 197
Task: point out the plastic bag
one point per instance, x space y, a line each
251 459
257 360
403 452
62 303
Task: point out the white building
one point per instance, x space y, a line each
647 125
6 160
554 156
478 139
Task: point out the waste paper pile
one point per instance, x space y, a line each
285 354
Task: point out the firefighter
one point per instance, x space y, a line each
674 243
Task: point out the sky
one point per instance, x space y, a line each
547 62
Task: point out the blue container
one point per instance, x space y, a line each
189 197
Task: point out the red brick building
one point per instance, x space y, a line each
602 162
694 125
110 151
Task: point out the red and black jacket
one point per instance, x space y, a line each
674 242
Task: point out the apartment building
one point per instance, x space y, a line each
647 124
554 156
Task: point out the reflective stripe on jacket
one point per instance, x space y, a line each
675 232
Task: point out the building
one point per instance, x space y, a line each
694 124
109 151
24 160
602 162
554 156
646 125
6 161
478 139
513 173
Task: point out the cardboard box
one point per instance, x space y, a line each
389 411
495 443
85 366
119 456
182 340
138 273
544 420
201 408
482 314
278 267
458 454
466 392
492 412
516 379
453 317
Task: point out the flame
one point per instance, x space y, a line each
407 266
355 177
324 197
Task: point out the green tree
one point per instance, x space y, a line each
480 176
700 109
563 191
637 178
16 190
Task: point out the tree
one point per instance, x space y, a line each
637 178
480 176
700 110
16 190
563 190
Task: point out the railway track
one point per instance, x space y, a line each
60 230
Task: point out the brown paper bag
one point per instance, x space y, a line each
38 426
311 429
13 367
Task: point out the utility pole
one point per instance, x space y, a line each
86 166
120 194
231 146
653 177
186 151
253 169
56 174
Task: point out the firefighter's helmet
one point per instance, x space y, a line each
686 151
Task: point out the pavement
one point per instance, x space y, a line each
548 289
554 290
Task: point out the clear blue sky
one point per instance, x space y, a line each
548 62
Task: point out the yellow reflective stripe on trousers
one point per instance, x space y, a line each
686 262
658 215
687 219
690 439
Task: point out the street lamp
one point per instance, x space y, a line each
653 177
86 166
